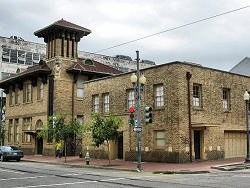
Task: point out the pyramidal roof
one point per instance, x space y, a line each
62 25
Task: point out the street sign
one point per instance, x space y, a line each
137 129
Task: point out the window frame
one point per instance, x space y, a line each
11 131
27 125
197 95
131 98
106 103
226 97
17 131
27 92
96 103
156 139
159 96
80 88
40 90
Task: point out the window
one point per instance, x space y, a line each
17 131
26 127
96 103
160 139
131 99
80 88
40 91
11 131
79 118
27 93
197 95
159 96
226 98
106 103
17 93
12 96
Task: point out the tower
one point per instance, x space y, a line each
61 38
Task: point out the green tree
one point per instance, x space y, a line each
105 129
57 129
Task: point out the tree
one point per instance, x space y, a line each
57 130
105 129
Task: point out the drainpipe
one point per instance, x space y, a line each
73 95
188 76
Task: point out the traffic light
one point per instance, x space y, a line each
148 115
132 116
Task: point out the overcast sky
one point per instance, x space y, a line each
217 43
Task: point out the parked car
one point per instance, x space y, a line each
10 153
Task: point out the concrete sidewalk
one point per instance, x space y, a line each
195 167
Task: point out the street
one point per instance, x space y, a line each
30 174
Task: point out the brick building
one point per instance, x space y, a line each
217 113
53 86
212 126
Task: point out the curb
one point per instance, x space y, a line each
83 166
118 169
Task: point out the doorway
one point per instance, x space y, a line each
120 146
39 146
197 144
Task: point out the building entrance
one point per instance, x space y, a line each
197 144
120 146
39 146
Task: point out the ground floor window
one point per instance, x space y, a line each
160 138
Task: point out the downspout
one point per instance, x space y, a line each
188 76
75 77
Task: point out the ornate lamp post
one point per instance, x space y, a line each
138 85
246 98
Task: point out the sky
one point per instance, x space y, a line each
218 43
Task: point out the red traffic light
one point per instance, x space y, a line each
131 110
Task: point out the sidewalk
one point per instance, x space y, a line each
195 167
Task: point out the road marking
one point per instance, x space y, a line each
71 174
114 179
22 178
12 171
80 182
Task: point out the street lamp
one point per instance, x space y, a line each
246 98
138 85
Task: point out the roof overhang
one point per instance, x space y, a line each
88 72
204 124
18 77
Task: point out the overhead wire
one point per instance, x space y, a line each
174 28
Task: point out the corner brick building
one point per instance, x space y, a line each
53 86
196 109
217 113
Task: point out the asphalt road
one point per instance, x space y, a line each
28 174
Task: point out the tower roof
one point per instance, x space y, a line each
62 25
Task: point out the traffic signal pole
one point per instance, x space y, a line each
138 95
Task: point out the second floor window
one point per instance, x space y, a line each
40 91
12 97
159 96
80 88
131 99
226 98
196 95
96 103
27 93
17 96
106 103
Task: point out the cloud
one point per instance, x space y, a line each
219 43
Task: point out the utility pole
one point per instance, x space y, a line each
138 95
